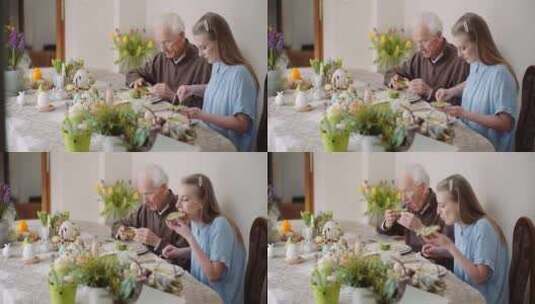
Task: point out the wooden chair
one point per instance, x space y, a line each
522 269
257 264
525 130
261 136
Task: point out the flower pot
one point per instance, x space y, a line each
362 296
77 142
308 233
13 82
65 294
327 295
112 144
99 296
336 142
370 143
274 82
4 232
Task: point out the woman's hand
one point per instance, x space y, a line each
172 252
181 228
455 111
439 240
432 251
184 91
444 94
193 113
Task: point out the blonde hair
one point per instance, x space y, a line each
460 191
478 32
217 29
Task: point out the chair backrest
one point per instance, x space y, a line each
261 136
257 263
525 132
522 268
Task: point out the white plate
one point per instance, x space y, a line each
427 268
397 247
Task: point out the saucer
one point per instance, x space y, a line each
48 108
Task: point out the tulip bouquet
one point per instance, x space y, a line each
133 48
380 197
391 47
119 199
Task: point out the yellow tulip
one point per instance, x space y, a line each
136 196
109 191
408 45
150 44
125 39
383 39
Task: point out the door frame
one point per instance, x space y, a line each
45 182
60 29
309 181
318 29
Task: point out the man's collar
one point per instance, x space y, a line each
168 201
442 52
184 53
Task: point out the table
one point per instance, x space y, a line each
292 131
289 284
27 284
30 130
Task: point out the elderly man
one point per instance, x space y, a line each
148 220
177 64
421 204
436 64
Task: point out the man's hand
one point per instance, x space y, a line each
410 221
418 86
184 91
121 233
147 237
455 111
163 91
391 217
140 82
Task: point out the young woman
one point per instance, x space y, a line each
230 97
217 249
480 250
489 95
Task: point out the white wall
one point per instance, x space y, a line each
240 180
503 182
40 23
337 178
298 23
88 28
288 175
25 175
347 23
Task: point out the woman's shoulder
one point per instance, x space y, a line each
220 223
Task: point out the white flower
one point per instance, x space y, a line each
75 110
341 126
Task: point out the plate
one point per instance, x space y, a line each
48 108
397 247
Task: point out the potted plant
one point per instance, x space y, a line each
133 49
391 48
308 220
110 122
15 48
7 213
62 283
379 198
326 282
275 49
119 199
76 133
335 128
371 280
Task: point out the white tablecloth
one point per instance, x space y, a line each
30 130
290 284
292 131
27 284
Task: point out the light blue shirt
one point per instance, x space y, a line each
490 90
481 244
219 242
232 90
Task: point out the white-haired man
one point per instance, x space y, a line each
435 65
178 63
148 220
421 204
